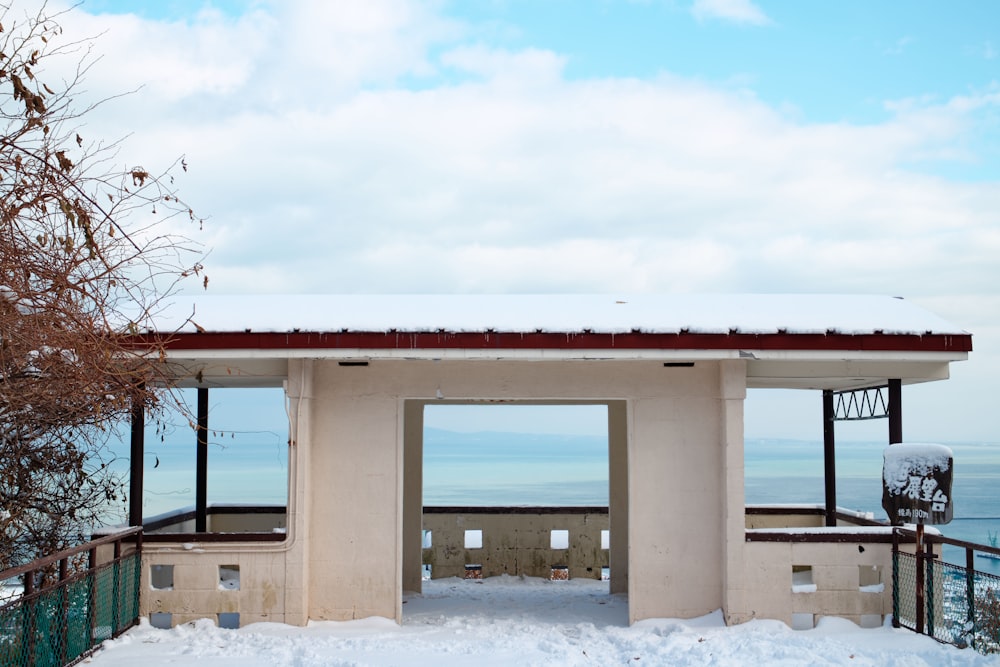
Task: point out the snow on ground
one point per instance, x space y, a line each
511 621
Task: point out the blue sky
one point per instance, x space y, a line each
830 61
583 146
822 62
844 62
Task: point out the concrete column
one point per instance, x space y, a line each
356 517
299 392
733 384
685 501
413 495
618 494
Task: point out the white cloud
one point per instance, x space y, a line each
387 152
612 182
278 55
738 11
564 182
528 66
217 56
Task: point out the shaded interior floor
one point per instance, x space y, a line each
515 600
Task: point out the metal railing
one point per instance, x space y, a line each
955 604
71 601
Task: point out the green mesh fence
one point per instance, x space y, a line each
57 625
904 589
974 600
961 606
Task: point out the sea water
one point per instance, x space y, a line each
782 471
483 469
499 469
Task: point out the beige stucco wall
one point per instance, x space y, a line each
679 502
269 590
516 544
678 426
227 522
618 438
273 576
788 520
246 523
677 521
839 570
413 495
354 512
196 592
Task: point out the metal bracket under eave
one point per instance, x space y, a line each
861 404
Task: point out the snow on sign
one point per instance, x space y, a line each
916 483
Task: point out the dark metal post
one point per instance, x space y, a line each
116 588
30 610
91 594
138 446
136 579
970 592
63 611
895 578
201 471
919 552
929 583
829 458
895 409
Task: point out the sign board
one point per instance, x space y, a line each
916 484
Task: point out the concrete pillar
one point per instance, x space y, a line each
618 494
356 518
732 385
413 495
299 392
682 508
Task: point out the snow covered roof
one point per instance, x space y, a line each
796 340
556 313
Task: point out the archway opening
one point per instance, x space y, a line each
523 489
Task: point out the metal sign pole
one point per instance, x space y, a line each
920 578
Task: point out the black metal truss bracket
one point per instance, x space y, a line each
860 404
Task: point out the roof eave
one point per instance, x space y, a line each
734 341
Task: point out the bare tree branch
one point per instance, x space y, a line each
87 251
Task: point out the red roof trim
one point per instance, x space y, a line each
874 342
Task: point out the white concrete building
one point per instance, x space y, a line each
673 372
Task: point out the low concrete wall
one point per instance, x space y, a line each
181 584
789 515
222 575
784 517
797 582
800 575
799 570
796 569
221 519
516 541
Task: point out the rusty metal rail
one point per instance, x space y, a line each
951 603
71 601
